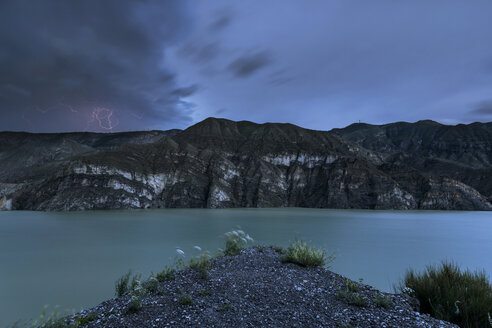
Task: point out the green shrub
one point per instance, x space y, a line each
83 320
226 306
278 249
134 304
300 253
352 298
51 320
57 319
185 299
139 290
151 285
352 285
166 274
135 282
54 323
201 264
235 241
127 283
383 301
447 293
205 292
122 284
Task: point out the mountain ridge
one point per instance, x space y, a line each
462 152
223 163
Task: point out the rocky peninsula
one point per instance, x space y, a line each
255 289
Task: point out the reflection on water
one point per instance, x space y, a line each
73 259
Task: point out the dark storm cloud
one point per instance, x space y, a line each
205 47
246 65
341 61
71 65
484 108
221 21
186 91
200 52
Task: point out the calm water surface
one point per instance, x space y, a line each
73 259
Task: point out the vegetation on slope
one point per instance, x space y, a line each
448 293
445 292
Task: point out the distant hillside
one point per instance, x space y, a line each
24 154
222 163
461 152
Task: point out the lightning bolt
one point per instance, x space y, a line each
104 118
67 106
60 106
101 117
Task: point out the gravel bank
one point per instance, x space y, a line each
255 289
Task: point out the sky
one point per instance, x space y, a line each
119 65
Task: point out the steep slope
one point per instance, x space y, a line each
28 155
256 289
221 163
461 152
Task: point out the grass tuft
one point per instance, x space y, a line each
185 299
135 282
383 301
151 285
235 241
57 319
447 293
352 285
121 285
52 320
278 249
205 292
300 253
83 320
201 264
345 325
226 306
352 298
134 304
127 283
166 274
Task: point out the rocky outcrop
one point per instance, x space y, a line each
255 289
220 163
5 204
462 152
6 192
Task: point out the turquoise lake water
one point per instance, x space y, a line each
73 259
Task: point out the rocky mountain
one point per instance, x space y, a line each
23 155
462 152
222 163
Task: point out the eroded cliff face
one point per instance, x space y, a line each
219 163
461 152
